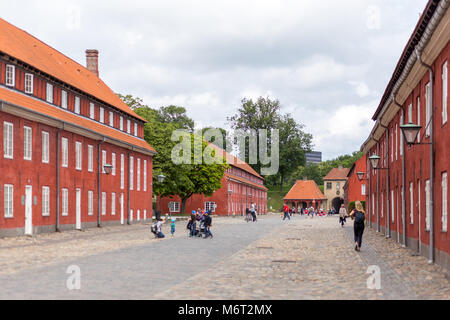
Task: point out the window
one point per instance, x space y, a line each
45 201
90 202
49 93
64 152
111 119
363 189
131 215
145 214
103 203
428 205
444 202
145 175
138 175
8 200
418 117
113 163
77 105
121 123
329 185
338 186
63 99
90 158
103 160
131 172
382 204
373 204
65 202
411 203
8 150
122 171
444 92
174 206
410 112
28 83
10 78
418 199
102 115
129 126
27 143
427 108
91 110
45 147
401 137
392 205
135 129
396 141
392 144
210 206
78 155
138 215
113 204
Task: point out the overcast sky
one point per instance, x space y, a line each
328 62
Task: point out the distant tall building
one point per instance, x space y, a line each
313 157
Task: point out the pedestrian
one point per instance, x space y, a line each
193 223
342 215
172 227
286 212
159 228
253 211
358 214
207 222
311 212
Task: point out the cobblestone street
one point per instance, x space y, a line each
271 259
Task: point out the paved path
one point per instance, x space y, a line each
271 259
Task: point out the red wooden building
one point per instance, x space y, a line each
73 154
355 189
409 190
241 185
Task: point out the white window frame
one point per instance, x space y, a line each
78 155
113 163
138 213
104 155
145 175
49 93
135 129
174 206
63 99
113 203
210 205
8 140
363 189
418 117
90 202
444 186
90 158
65 202
103 203
64 152
427 205
427 108
29 83
45 201
91 110
410 113
411 202
111 119
10 75
392 205
444 92
382 204
131 173
45 147
138 175
8 201
122 171
401 137
102 115
27 143
121 123
77 108
128 126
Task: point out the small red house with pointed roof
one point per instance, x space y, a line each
305 193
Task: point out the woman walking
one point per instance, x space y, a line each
358 215
342 215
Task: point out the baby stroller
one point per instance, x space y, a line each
202 230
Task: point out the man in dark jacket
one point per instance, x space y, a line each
193 223
207 223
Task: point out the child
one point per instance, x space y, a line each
172 227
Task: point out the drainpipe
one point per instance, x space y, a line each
419 59
378 190
394 99
387 233
99 196
58 168
128 189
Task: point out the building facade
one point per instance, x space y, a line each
333 188
73 154
241 185
409 191
354 189
313 157
305 194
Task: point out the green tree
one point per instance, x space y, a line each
224 143
177 116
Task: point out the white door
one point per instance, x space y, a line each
28 210
78 210
121 209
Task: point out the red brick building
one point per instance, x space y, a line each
241 185
408 196
60 124
354 189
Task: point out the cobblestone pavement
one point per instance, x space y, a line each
272 259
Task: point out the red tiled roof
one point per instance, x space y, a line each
30 50
246 181
305 190
337 174
18 99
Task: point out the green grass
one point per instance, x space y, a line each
276 197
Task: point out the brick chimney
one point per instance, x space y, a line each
92 61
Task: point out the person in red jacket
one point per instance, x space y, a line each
286 212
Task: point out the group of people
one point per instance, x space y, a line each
156 227
310 212
204 221
358 215
250 213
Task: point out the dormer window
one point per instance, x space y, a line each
102 115
121 123
91 110
135 129
49 93
10 75
77 105
129 126
28 83
111 119
63 99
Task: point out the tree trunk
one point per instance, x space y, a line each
183 205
